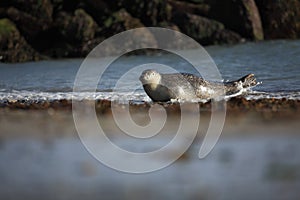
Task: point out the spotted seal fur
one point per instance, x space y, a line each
184 86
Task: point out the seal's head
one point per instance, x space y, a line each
150 76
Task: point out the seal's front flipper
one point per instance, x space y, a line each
248 81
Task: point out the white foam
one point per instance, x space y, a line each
52 96
255 95
127 96
206 90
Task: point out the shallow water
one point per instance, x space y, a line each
275 63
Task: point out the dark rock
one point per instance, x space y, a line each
41 9
169 25
78 27
175 39
226 37
204 30
121 21
74 32
31 16
28 25
201 9
281 19
193 1
241 16
66 5
13 47
71 28
149 12
98 9
88 46
3 13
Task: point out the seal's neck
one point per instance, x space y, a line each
152 86
153 82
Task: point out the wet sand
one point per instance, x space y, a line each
256 157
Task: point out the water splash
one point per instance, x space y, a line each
122 97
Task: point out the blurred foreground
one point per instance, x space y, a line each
256 157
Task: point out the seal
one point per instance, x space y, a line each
188 87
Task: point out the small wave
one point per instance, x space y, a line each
255 95
53 96
121 97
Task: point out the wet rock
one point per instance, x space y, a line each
241 16
88 46
42 9
149 12
193 1
204 30
196 8
71 28
66 5
38 8
100 10
30 16
13 47
226 37
169 25
122 21
75 30
29 25
78 27
281 19
178 41
103 106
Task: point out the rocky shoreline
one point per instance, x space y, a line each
32 30
266 108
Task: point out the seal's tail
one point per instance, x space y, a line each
247 81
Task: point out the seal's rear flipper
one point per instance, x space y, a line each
248 81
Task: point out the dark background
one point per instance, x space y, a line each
38 29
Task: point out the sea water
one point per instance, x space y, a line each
276 65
